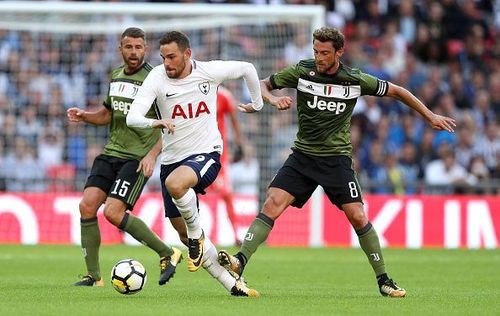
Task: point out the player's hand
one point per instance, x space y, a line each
246 108
75 114
168 124
282 103
147 165
440 123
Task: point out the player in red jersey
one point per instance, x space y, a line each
226 108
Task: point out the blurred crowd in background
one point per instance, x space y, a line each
446 52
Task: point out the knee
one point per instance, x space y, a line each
175 188
113 215
273 206
357 217
87 210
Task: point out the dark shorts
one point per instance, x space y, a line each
118 178
206 167
302 173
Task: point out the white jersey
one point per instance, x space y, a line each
191 103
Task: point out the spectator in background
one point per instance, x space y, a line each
51 147
482 113
23 171
488 145
390 178
445 175
477 168
245 173
410 168
464 151
29 125
407 20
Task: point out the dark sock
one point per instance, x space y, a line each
368 239
142 233
256 235
91 241
382 278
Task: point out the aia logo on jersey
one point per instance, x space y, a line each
204 87
190 111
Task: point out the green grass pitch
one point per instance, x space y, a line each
35 280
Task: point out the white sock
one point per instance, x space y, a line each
189 211
212 266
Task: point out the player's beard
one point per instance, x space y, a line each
325 68
134 62
178 71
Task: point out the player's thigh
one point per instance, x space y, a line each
102 174
206 166
128 183
293 181
171 210
340 183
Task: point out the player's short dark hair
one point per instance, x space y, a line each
180 38
134 32
329 34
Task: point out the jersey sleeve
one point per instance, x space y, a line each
286 78
146 96
371 85
222 70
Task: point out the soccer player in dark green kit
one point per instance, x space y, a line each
119 174
327 91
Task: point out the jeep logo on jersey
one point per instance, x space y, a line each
204 87
190 111
332 106
120 106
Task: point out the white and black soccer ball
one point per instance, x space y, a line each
128 276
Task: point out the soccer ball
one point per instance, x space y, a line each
128 276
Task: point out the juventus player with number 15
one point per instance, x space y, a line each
186 93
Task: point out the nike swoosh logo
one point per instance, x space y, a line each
169 95
198 262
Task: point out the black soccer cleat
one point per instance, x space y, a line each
168 265
389 288
195 253
88 280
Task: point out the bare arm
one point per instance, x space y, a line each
147 164
282 103
101 117
436 121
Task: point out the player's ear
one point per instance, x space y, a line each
187 52
340 52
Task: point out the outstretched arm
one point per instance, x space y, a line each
436 121
101 117
282 103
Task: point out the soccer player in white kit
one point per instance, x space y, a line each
185 91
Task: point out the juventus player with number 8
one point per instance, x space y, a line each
327 91
186 93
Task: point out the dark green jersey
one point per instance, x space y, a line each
325 104
127 142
